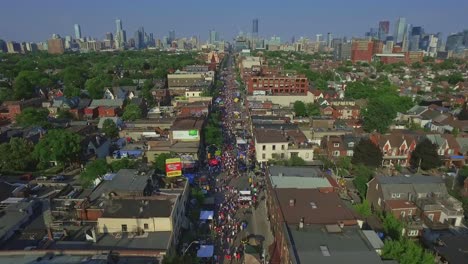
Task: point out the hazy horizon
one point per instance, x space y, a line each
28 20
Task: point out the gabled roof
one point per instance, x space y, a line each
107 102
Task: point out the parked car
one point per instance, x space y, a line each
58 178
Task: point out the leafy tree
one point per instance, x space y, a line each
160 162
425 154
16 155
367 153
363 175
93 170
63 114
23 88
363 209
300 108
124 163
392 226
95 86
132 112
30 117
296 161
58 145
377 116
312 109
110 129
455 78
406 251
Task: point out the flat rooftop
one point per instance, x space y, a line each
129 208
314 244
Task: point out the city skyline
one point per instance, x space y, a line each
300 22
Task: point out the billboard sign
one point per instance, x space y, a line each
258 92
173 167
185 134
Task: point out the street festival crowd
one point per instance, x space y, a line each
229 224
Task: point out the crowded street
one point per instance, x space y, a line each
236 184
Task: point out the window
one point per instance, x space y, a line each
395 195
282 155
377 186
413 232
124 228
351 144
263 156
431 216
282 147
403 213
336 153
146 226
379 201
336 145
273 147
264 147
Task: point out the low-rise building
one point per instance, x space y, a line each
414 198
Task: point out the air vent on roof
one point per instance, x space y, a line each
325 251
313 205
292 202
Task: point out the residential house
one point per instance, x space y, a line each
346 112
63 104
301 178
339 146
121 92
13 108
448 149
281 142
396 147
95 146
15 212
413 198
105 108
193 109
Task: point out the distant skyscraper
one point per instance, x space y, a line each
454 42
318 37
400 28
406 37
120 35
255 27
214 37
109 36
329 39
77 31
384 28
172 36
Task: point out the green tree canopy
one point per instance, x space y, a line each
110 129
132 112
16 155
93 170
25 82
160 162
392 226
367 153
406 251
378 116
312 109
362 175
30 117
363 209
426 154
58 145
124 163
95 86
300 108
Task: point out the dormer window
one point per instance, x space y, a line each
336 145
351 144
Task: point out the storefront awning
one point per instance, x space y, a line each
206 215
205 251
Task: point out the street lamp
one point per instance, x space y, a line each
185 251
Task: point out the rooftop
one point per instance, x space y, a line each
129 208
125 181
269 136
314 244
294 171
188 123
411 179
314 206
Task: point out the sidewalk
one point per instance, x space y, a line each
260 226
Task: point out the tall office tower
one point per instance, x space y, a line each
454 42
172 36
109 36
406 38
329 40
214 37
400 27
77 31
120 36
139 38
318 37
384 29
414 43
68 42
255 27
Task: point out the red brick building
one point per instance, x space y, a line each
278 84
362 50
14 108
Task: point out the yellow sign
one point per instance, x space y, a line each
173 167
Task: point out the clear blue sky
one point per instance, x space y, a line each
36 20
